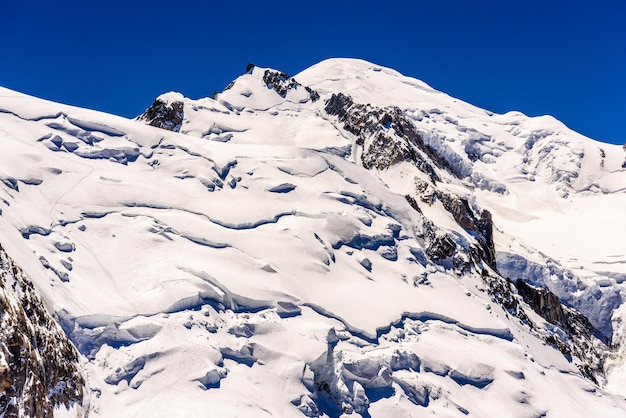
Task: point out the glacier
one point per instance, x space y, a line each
344 242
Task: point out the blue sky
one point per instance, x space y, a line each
564 58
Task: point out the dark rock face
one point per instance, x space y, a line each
503 292
163 115
413 203
281 83
474 220
597 304
481 227
442 249
314 95
577 338
544 302
582 340
39 368
387 136
338 105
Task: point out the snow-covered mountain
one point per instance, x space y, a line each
345 241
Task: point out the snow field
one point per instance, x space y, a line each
235 269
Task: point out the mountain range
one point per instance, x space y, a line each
344 242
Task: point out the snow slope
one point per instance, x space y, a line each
545 176
536 176
248 265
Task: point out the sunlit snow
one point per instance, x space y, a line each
249 266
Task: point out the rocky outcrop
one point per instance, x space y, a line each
597 303
39 368
544 302
477 222
387 136
446 249
281 83
481 226
572 333
582 339
164 115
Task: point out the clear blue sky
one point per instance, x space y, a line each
564 58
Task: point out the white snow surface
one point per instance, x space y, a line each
222 271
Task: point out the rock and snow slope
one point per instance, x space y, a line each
40 370
284 253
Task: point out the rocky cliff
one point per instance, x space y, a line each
165 115
39 368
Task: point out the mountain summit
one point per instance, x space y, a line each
344 242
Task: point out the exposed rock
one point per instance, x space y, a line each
544 302
39 368
577 339
413 203
441 247
338 105
480 227
425 191
595 302
168 116
582 340
502 292
386 135
314 95
281 83
278 81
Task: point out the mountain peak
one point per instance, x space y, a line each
382 250
170 97
262 88
166 112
